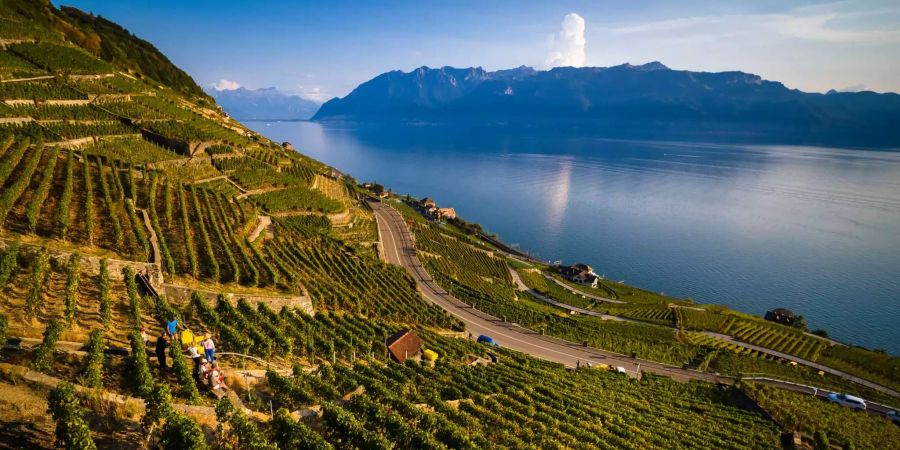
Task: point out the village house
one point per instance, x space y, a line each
405 344
782 316
446 213
579 273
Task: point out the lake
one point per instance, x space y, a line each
754 227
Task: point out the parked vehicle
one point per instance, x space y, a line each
620 369
487 340
848 401
894 416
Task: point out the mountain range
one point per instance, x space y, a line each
264 104
625 96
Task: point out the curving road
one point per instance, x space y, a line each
398 248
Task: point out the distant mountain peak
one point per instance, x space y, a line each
629 94
267 103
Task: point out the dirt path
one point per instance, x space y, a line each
264 223
154 240
246 194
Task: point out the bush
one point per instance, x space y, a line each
143 379
72 431
93 371
179 432
188 388
73 275
39 270
289 433
9 263
105 299
43 356
242 433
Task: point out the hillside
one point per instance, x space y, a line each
649 97
126 202
38 19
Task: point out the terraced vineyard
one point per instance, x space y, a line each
781 339
88 198
516 404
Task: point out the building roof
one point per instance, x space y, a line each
782 312
404 344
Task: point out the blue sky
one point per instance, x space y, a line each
325 49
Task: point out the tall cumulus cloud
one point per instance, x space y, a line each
567 47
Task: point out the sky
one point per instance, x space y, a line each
321 50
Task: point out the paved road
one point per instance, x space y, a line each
399 249
814 365
534 293
578 292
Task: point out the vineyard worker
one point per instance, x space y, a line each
195 356
209 348
161 344
172 326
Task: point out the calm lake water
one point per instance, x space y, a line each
815 230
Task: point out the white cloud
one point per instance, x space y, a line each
314 93
226 85
567 48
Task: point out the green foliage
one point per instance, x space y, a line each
59 58
61 112
776 337
134 299
877 366
241 432
142 378
88 209
40 194
39 90
187 386
93 370
167 262
11 159
297 199
207 242
4 328
73 277
105 297
338 280
43 355
132 150
63 208
179 432
40 269
72 431
347 429
76 130
111 205
12 192
289 433
117 45
9 263
810 415
188 237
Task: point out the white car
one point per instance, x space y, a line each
849 401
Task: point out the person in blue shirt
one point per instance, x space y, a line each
172 326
